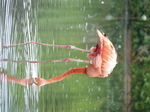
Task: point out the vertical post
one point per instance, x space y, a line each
127 60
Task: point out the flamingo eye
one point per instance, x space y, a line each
104 34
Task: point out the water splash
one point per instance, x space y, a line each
16 28
30 32
5 23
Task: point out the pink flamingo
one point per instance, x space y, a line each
103 59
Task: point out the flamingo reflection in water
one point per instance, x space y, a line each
103 59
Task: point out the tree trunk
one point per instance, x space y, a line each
127 60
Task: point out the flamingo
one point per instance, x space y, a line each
25 82
103 59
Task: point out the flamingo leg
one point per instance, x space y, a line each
60 60
62 46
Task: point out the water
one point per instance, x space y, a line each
18 24
60 22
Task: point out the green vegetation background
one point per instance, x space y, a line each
140 67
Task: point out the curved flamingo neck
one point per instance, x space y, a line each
64 75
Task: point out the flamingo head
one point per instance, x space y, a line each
39 81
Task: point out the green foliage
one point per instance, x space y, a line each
140 55
140 87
